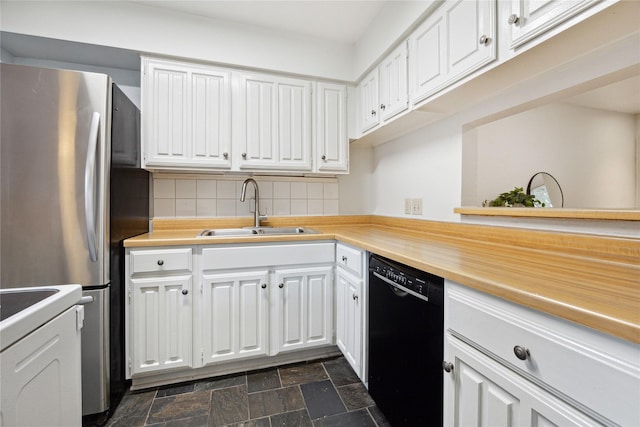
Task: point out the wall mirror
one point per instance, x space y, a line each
589 142
546 189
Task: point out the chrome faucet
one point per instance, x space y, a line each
256 212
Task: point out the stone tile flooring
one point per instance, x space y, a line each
314 394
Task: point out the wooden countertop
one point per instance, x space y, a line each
591 280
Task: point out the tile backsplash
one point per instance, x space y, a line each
219 196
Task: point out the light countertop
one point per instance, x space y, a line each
590 280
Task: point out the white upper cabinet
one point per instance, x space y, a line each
458 39
273 123
186 115
369 101
393 83
531 18
383 93
332 143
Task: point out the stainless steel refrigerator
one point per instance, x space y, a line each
71 190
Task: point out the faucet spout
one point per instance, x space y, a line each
243 193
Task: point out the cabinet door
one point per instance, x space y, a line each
165 115
531 18
349 302
161 311
41 376
393 83
303 315
369 101
211 118
456 40
235 315
186 115
332 143
480 392
274 123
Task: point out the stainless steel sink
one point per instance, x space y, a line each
256 231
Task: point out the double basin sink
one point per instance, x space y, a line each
256 231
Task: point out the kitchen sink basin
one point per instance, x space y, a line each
256 231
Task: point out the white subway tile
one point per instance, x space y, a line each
164 208
164 188
282 206
226 207
331 191
298 190
266 189
227 190
185 207
330 207
244 208
206 189
298 206
266 207
315 190
185 188
315 207
206 207
281 190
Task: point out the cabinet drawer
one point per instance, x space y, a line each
160 260
573 362
350 258
254 256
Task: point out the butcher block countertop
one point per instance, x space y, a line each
588 279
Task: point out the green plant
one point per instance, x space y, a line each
515 198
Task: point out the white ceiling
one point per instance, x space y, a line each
340 21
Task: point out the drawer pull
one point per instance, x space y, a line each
185 291
447 366
521 352
160 262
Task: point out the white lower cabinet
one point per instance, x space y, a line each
349 311
351 307
302 312
161 323
235 320
508 365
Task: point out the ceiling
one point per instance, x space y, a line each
340 21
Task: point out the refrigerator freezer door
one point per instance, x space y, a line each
46 190
95 352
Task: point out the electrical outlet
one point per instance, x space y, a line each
407 206
416 207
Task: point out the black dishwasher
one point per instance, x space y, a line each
406 338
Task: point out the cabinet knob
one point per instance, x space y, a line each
521 353
373 112
160 262
244 155
355 297
281 285
448 367
225 155
185 291
344 258
513 19
382 107
484 40
264 286
324 157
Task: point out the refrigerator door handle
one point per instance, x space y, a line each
89 187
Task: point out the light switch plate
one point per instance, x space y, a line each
407 206
416 207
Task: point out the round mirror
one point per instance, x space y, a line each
544 187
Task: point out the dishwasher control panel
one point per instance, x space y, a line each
406 277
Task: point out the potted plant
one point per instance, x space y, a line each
514 198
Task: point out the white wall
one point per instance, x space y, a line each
590 152
143 28
424 164
356 188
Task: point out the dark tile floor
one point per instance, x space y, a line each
314 394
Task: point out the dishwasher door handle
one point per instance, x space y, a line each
399 290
